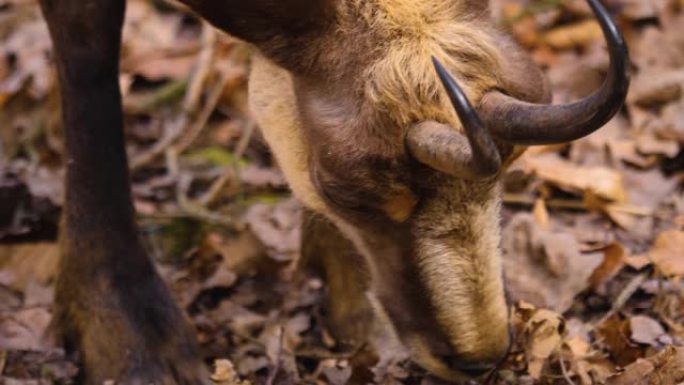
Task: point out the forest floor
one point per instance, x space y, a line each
593 232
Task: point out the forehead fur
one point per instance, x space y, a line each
401 81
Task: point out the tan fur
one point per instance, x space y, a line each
272 101
461 262
402 82
344 108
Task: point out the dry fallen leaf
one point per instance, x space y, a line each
645 330
613 262
614 333
544 268
604 182
666 253
637 262
640 9
543 330
277 227
575 35
587 364
25 329
651 145
30 262
224 374
336 372
665 368
657 87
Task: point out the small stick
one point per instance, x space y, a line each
190 102
198 211
572 204
568 204
623 297
232 172
564 370
278 361
204 115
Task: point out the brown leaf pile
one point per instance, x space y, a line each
593 231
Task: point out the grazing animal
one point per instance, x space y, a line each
392 121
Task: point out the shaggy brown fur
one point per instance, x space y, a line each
335 87
337 127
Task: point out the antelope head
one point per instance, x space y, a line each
395 119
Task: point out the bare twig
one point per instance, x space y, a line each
165 94
190 102
624 296
564 370
278 359
562 204
574 204
196 128
195 210
232 172
204 66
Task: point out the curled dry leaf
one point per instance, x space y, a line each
30 262
578 348
152 44
543 334
645 330
585 362
574 35
640 9
225 374
337 372
649 144
604 182
241 255
26 329
666 253
648 190
614 334
637 262
665 368
277 227
657 87
670 124
613 262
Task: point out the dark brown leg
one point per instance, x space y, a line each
111 306
327 251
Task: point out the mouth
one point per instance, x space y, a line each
450 368
442 369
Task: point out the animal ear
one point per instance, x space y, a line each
262 21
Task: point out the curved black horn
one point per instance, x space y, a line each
445 149
518 122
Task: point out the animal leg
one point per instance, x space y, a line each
111 305
324 249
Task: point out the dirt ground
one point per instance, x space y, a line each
593 231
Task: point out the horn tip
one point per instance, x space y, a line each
439 67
